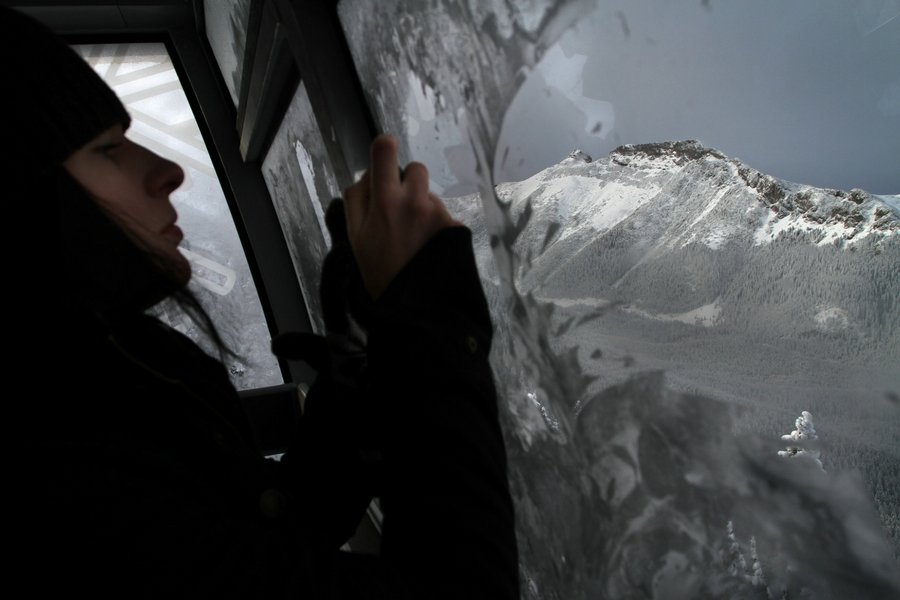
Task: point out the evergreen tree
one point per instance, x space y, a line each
804 438
757 578
737 565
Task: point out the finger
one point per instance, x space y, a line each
356 203
385 174
415 180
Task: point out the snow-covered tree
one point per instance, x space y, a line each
746 581
805 428
757 578
803 438
737 565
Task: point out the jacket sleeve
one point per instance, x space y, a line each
328 482
449 523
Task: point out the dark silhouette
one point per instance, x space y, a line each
142 477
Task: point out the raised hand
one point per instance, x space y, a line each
389 218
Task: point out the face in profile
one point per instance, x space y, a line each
133 184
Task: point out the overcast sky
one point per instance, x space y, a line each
805 90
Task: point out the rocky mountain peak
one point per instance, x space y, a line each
679 152
838 213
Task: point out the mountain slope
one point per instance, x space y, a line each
679 232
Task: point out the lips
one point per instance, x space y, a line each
173 231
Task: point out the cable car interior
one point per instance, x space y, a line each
268 106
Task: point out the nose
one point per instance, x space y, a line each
165 177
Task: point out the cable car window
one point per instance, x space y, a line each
301 183
226 28
145 79
664 304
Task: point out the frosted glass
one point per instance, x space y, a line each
664 311
226 29
301 182
144 78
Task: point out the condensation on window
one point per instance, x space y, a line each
226 29
144 78
302 183
663 311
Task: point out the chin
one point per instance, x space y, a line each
181 270
175 265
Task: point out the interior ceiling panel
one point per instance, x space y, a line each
107 16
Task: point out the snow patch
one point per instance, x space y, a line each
570 302
832 318
582 199
715 239
614 202
703 316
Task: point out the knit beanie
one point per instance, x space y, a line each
53 101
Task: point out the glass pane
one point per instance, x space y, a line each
665 310
144 78
226 28
301 181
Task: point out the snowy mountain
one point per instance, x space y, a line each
729 289
680 232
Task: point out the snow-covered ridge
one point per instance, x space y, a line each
678 232
805 207
834 214
674 227
716 198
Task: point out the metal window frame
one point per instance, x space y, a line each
247 195
289 41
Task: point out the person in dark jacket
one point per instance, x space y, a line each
142 478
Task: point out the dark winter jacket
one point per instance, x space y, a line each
147 482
